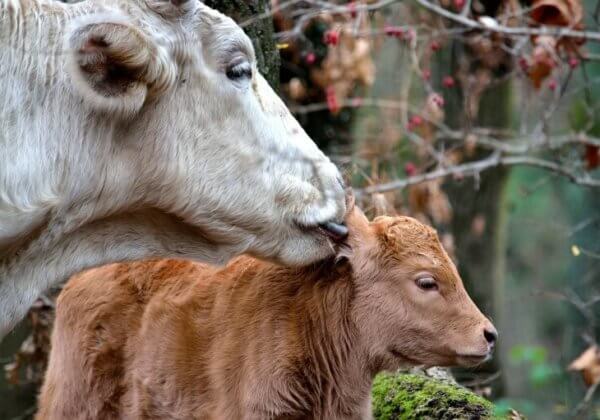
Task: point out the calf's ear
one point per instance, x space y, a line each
360 233
114 66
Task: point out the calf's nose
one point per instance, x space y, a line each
490 334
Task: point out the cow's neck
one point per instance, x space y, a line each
44 236
52 258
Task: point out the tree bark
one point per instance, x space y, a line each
481 253
481 256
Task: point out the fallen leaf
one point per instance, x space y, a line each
296 89
429 199
588 363
347 65
565 13
557 13
382 206
542 60
478 225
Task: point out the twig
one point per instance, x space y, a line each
506 30
586 400
475 168
26 414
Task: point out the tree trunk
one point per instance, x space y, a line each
481 257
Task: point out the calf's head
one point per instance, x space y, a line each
199 131
411 307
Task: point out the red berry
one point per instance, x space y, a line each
426 74
332 37
552 85
332 101
524 64
573 62
310 58
448 81
410 169
592 156
352 9
435 46
414 122
393 31
459 4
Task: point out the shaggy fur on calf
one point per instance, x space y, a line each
174 339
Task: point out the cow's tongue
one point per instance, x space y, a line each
335 231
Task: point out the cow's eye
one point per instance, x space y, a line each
238 70
427 283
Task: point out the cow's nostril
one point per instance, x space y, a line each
490 335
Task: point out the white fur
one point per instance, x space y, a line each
182 163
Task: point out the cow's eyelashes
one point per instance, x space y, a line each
239 70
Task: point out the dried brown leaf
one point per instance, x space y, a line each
429 199
542 60
567 13
382 206
588 363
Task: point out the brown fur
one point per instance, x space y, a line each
174 339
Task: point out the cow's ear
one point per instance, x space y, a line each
114 66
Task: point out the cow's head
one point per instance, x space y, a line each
411 307
205 137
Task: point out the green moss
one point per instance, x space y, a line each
412 397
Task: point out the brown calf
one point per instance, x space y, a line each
179 340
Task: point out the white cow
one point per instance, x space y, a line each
142 128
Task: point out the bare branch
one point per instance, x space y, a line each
475 168
507 30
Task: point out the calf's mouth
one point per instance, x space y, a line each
470 360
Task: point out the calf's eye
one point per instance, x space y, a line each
427 283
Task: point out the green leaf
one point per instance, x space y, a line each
532 354
543 373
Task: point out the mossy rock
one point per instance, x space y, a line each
417 397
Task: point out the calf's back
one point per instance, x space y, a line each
177 339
